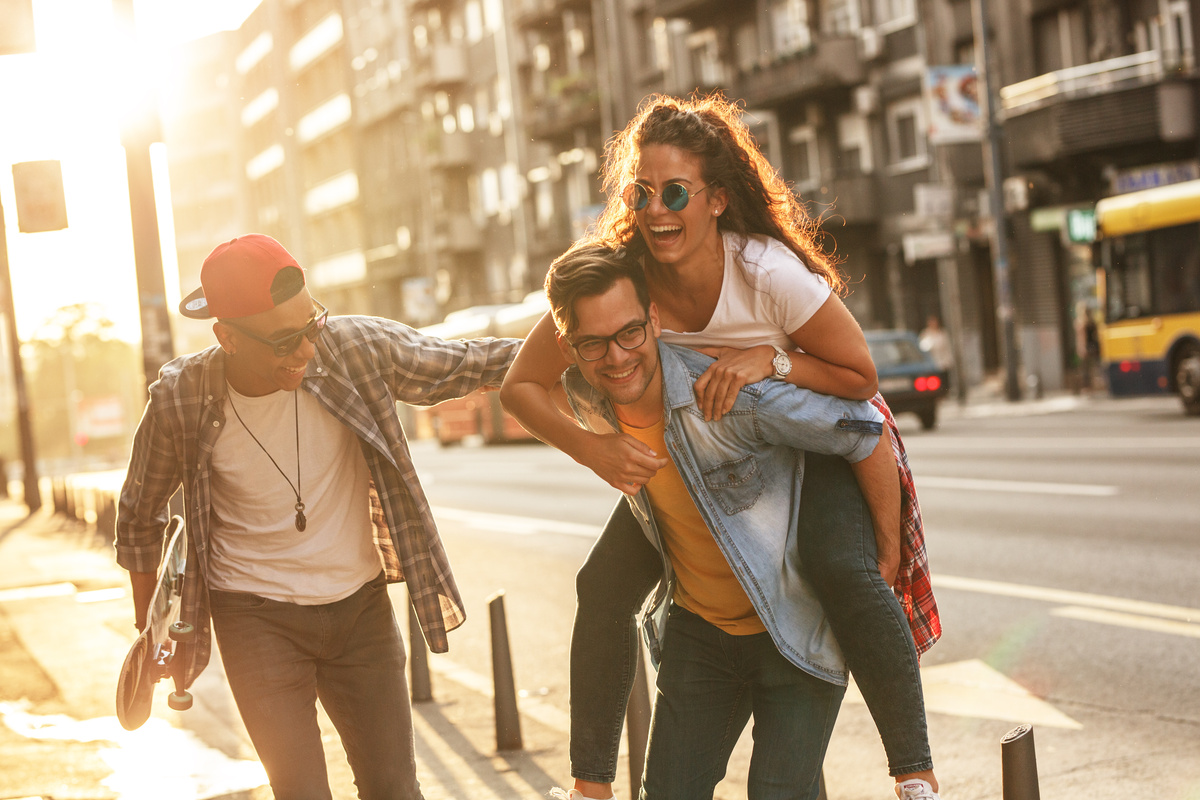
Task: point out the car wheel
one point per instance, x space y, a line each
1187 379
928 417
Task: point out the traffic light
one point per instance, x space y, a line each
41 205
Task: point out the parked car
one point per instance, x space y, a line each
909 380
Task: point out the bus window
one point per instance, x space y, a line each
1156 272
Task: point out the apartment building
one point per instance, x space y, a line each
421 156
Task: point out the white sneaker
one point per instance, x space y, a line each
915 789
561 794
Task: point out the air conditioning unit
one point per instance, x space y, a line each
866 99
871 42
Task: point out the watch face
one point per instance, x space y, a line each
783 364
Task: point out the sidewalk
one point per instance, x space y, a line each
64 630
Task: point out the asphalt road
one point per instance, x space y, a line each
1066 556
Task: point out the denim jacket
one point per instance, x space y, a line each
744 473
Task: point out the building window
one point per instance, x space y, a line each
906 135
803 158
705 56
790 33
854 145
1060 40
895 14
840 17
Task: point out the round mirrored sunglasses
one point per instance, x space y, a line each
675 196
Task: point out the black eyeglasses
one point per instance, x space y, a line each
628 338
286 345
675 196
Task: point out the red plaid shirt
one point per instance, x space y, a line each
913 589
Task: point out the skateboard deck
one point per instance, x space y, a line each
152 656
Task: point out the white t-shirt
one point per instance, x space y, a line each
255 545
766 293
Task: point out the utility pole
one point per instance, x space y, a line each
137 134
995 182
33 495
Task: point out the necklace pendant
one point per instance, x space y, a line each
301 520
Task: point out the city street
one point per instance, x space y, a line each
1064 540
1065 549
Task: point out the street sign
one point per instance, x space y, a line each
16 27
41 205
1081 225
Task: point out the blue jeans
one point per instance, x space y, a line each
281 657
709 684
838 550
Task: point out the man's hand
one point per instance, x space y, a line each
717 388
143 584
889 567
622 461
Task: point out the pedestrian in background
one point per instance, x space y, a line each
302 504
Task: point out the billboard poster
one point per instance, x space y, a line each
953 95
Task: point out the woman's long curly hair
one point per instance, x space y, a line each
710 127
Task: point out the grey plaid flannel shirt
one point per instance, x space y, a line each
363 366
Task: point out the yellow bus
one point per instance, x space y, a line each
1149 250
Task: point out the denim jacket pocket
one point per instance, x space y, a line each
736 485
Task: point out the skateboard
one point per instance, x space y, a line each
152 656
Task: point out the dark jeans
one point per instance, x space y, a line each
281 657
837 546
709 684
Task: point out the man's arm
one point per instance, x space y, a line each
879 481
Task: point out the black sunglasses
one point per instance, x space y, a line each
675 196
595 348
286 345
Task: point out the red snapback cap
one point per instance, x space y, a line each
244 276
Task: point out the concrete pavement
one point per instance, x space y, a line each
65 626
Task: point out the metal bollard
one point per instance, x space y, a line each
637 724
418 659
69 494
1019 764
508 719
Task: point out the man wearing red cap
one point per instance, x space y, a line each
302 503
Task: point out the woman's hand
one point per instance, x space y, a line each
717 388
622 461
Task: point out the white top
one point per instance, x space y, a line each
766 293
255 545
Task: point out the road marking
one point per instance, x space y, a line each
36 592
1067 598
1152 624
508 523
973 689
1020 487
1060 443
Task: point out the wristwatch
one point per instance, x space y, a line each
782 363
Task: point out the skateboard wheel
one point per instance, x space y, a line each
181 631
179 701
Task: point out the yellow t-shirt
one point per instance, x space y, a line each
704 582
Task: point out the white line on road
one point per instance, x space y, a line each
1129 621
1058 443
1020 487
1068 598
508 523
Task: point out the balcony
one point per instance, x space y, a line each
454 151
855 199
534 13
573 101
1130 100
442 66
458 233
695 10
830 63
